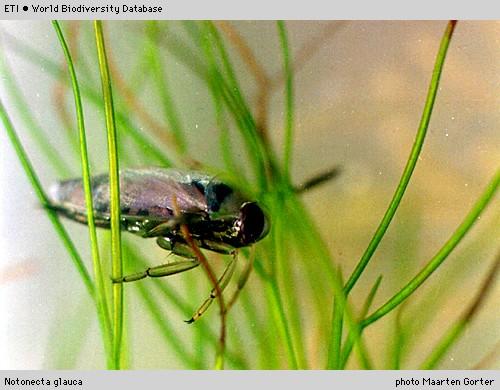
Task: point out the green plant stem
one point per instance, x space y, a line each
335 337
276 303
313 246
54 70
183 52
173 340
440 256
114 183
398 339
103 311
456 330
288 73
370 297
289 325
168 106
362 351
38 134
224 138
232 81
433 264
335 361
337 314
232 96
412 160
181 304
44 201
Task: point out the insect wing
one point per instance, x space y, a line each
155 193
144 193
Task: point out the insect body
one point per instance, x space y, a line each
219 218
156 202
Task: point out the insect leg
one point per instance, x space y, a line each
176 247
166 227
222 282
242 280
218 247
160 270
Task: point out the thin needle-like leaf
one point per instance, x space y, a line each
433 264
412 159
44 201
454 332
104 319
114 183
288 75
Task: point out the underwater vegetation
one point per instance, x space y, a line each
371 147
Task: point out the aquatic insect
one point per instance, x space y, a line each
155 202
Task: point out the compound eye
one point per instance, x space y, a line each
254 224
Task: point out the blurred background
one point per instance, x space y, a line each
359 91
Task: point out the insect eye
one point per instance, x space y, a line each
216 193
254 224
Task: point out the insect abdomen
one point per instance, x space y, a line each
145 194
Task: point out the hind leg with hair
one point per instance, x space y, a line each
172 268
160 271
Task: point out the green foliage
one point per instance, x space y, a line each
266 328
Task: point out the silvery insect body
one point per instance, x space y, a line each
219 218
156 202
